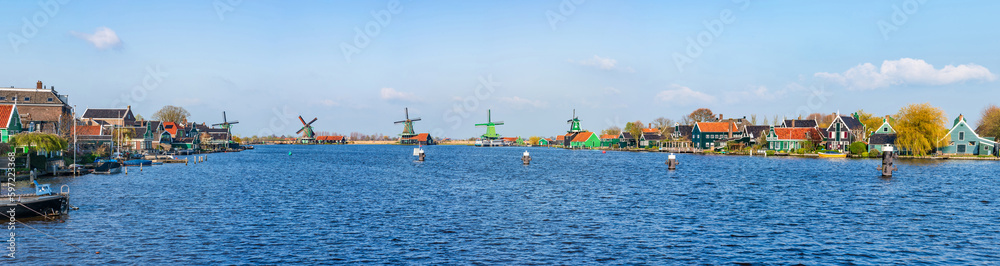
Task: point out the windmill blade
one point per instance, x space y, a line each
314 120
219 124
300 130
398 122
224 117
498 123
234 122
415 119
302 120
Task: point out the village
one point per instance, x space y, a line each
51 137
926 134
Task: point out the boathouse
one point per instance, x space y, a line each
963 140
791 138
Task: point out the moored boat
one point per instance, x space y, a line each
832 154
43 203
138 162
107 167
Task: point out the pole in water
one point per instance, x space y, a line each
526 158
672 162
888 156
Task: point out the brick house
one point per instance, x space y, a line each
41 109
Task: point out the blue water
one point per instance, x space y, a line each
376 204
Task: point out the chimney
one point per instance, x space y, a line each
650 125
793 122
730 129
720 117
39 85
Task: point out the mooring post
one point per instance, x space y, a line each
422 155
126 169
526 158
672 162
888 166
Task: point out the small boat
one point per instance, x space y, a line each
832 154
43 203
138 162
106 167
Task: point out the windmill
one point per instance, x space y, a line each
307 131
227 125
491 132
574 124
407 125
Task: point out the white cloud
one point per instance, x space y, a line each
602 63
754 93
103 38
611 91
392 94
906 71
521 103
684 96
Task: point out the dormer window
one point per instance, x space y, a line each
885 130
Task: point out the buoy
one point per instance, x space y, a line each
672 162
603 152
419 153
289 153
526 158
887 161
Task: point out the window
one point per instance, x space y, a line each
2 98
961 135
961 149
885 130
50 99
27 99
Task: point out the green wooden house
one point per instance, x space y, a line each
704 134
884 136
585 140
12 126
791 138
609 141
844 130
963 140
543 142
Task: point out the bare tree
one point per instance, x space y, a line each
702 115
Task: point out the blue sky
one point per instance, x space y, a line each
533 62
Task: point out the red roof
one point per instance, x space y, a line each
582 137
5 111
716 126
421 137
330 138
560 137
609 136
171 127
88 130
511 139
797 133
650 130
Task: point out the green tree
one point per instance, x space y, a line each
857 147
635 128
172 113
871 122
920 128
989 124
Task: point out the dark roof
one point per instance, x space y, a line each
826 134
799 123
852 122
882 139
654 136
138 132
756 130
625 135
105 113
685 131
36 96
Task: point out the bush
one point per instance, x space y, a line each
769 152
864 154
875 153
857 147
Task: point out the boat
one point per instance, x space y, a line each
832 154
108 167
490 143
44 203
138 162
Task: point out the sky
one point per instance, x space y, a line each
355 65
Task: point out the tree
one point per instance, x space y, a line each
702 115
139 117
920 128
822 120
871 122
172 113
753 119
989 124
663 124
612 130
635 128
857 148
43 141
534 140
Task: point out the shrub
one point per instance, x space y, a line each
769 152
857 147
864 154
875 153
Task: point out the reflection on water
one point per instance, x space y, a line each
356 204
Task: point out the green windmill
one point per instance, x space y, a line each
574 124
491 130
407 125
227 125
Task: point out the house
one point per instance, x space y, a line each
626 140
791 138
41 109
560 141
511 141
885 135
419 139
331 139
752 133
843 131
11 122
963 140
609 140
799 123
91 137
585 140
704 134
543 142
651 137
110 116
682 132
